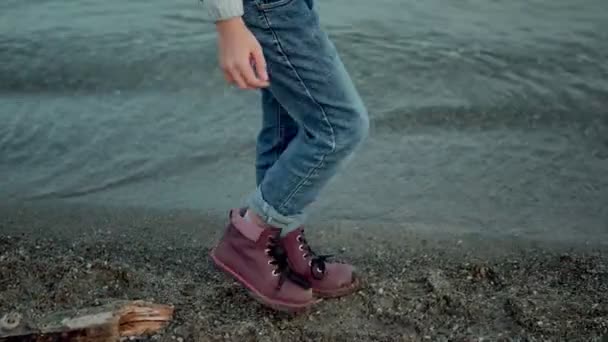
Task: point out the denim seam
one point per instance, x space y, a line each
325 117
277 150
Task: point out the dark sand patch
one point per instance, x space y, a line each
417 287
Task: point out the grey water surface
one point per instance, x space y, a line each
487 116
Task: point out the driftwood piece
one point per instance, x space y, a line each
98 324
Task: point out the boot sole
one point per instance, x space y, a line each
341 292
257 295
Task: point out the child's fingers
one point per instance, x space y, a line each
246 70
238 79
228 77
260 63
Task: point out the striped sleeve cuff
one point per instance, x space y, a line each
224 9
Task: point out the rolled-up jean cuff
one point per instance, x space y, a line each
271 216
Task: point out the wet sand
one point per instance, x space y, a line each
419 285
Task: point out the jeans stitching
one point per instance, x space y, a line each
277 149
325 117
272 5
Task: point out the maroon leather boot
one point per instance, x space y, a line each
328 280
254 257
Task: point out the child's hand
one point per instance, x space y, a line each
239 53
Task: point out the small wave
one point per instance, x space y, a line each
145 171
88 64
506 116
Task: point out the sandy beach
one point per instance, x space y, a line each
417 286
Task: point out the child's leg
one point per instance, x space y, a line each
278 130
310 82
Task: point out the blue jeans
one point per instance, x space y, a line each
313 117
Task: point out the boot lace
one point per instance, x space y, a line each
317 261
278 258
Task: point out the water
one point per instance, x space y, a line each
487 116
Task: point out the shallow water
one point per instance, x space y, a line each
486 116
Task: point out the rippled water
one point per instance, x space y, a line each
485 114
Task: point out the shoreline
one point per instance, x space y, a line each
418 285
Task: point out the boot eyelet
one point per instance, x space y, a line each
319 270
309 263
304 256
275 273
269 262
301 247
267 251
299 238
